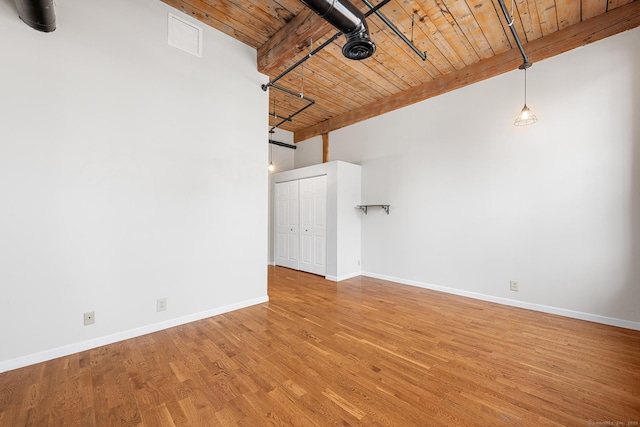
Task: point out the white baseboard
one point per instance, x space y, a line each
66 350
345 277
612 321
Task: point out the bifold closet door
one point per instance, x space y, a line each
287 225
313 225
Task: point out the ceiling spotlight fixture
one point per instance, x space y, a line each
526 117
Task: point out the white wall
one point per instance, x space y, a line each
309 152
129 171
476 202
349 221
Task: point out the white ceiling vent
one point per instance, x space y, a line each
185 35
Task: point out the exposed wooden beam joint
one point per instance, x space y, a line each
616 21
290 40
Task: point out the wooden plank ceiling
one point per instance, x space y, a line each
465 41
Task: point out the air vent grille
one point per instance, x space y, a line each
184 35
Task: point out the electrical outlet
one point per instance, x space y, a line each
513 285
89 318
161 304
358 262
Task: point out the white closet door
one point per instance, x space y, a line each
287 225
313 225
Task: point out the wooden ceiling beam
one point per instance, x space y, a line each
608 24
290 40
325 147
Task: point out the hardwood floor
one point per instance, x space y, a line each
361 352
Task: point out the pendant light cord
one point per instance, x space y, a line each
525 86
274 107
412 24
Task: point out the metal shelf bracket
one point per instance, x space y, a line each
364 208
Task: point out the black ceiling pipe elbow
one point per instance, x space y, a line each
38 14
359 45
347 18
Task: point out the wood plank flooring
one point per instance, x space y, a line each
360 352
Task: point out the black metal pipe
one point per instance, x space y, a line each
318 49
526 63
297 95
276 117
297 64
293 115
282 144
290 92
393 28
38 14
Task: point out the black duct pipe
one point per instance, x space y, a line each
347 18
38 14
318 49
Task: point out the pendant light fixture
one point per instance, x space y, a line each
526 117
272 167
